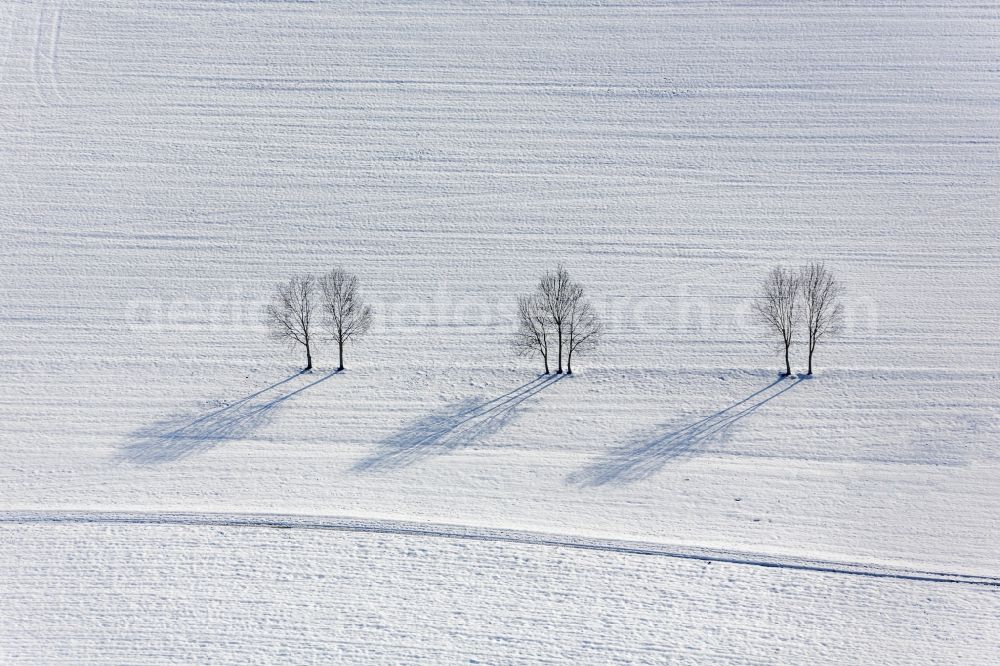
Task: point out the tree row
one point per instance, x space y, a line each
555 321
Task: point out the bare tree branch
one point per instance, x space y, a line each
583 328
822 309
777 307
554 291
556 315
346 315
534 329
290 313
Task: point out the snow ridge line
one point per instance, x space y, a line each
458 532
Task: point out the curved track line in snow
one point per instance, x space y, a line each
443 531
44 54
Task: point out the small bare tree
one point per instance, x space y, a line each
346 315
554 293
534 329
290 313
821 307
777 307
583 328
556 316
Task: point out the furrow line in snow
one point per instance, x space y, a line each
444 531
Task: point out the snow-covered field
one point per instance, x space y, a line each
100 593
164 163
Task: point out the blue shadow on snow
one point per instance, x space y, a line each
184 435
458 425
646 453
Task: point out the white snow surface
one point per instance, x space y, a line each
164 163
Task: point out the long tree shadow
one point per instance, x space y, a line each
457 425
182 435
647 453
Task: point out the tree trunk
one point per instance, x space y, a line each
341 349
309 358
545 358
559 369
810 371
569 361
788 364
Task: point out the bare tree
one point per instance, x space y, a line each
290 313
777 307
346 315
554 291
556 315
583 328
821 307
534 328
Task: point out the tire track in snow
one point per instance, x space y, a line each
444 531
45 53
